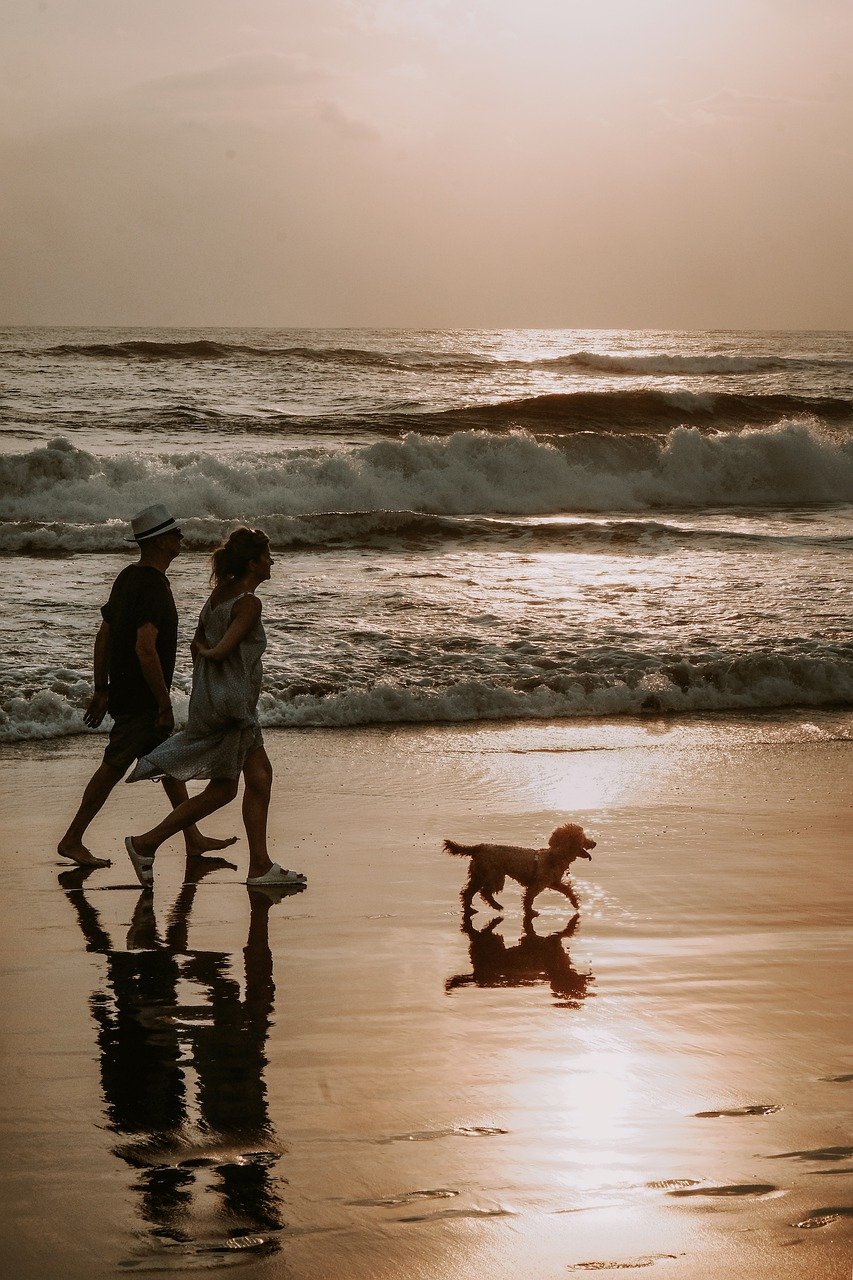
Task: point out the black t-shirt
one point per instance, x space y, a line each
140 594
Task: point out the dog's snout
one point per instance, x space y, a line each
590 844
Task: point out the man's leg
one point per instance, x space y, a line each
196 843
95 797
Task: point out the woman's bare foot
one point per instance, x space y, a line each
81 855
198 867
198 845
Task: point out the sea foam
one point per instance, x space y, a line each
61 498
745 682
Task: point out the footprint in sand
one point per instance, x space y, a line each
458 1213
405 1197
824 1217
733 1189
820 1153
458 1131
757 1109
628 1264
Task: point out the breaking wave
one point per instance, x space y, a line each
743 682
61 498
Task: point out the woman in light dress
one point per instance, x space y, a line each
223 737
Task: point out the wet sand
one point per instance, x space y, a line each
347 1084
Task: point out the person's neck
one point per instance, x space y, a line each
153 558
247 583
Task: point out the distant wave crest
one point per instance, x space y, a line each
640 410
614 363
637 411
393 530
664 363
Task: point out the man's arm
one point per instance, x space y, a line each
149 661
97 708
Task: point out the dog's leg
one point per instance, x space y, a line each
527 903
489 897
568 892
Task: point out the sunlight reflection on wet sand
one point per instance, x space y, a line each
346 1082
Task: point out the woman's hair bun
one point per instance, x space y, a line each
233 558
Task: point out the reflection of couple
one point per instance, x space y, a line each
134 661
182 1070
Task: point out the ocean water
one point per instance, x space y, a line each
468 525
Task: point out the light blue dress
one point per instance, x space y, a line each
222 721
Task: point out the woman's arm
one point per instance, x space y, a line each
244 615
198 641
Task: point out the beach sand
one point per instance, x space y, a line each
346 1084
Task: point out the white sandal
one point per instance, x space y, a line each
144 867
278 877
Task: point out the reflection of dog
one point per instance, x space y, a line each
533 960
536 869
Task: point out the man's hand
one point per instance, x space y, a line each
96 710
166 718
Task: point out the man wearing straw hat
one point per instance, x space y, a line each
135 652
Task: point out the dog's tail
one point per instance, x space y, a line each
458 850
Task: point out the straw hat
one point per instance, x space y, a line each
151 523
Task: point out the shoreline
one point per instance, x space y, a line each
496 1103
836 718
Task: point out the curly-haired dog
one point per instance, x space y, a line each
535 869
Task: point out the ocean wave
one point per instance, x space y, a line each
143 349
48 495
740 683
643 363
666 363
640 409
208 349
399 530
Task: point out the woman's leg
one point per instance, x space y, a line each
217 793
196 843
257 775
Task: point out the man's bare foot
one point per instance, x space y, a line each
207 844
81 855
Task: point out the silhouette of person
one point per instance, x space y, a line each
535 959
182 1059
134 661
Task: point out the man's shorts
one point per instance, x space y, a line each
132 737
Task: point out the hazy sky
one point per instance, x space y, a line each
659 163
